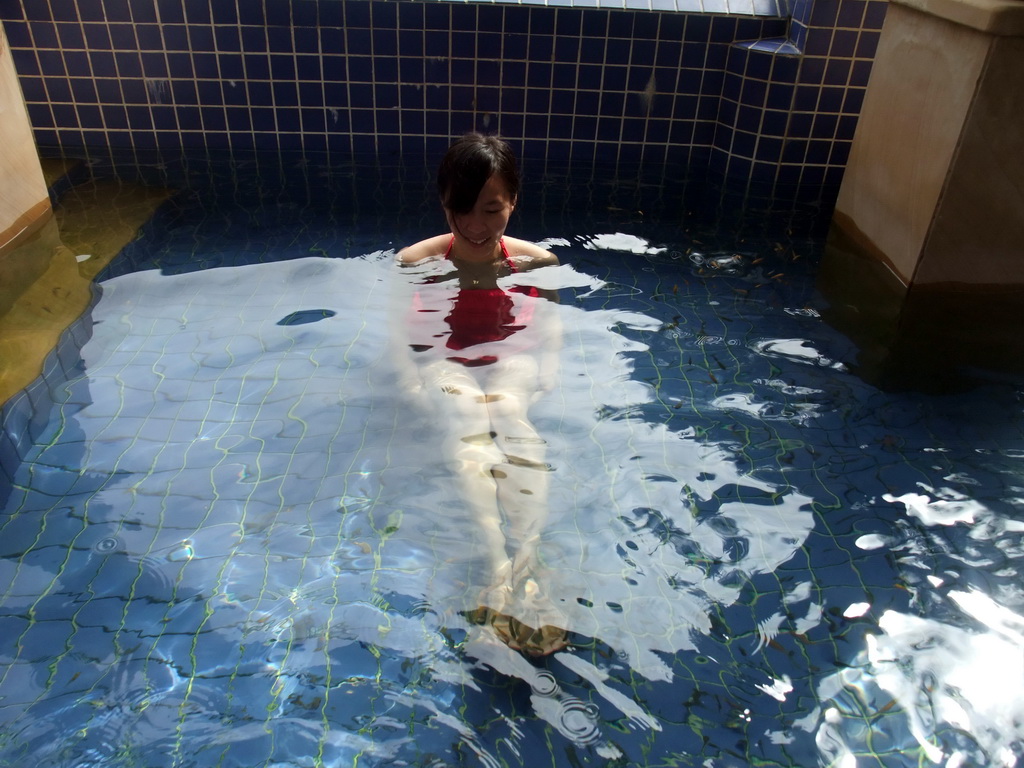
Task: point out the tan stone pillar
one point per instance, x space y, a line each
24 203
925 262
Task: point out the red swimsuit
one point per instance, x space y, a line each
482 315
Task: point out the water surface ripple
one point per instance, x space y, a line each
235 542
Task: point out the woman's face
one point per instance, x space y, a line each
478 231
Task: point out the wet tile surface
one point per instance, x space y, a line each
230 538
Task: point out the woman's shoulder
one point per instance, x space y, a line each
431 248
527 255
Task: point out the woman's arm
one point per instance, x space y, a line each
431 248
528 256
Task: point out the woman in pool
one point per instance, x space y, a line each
482 354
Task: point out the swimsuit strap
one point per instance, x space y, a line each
508 258
504 252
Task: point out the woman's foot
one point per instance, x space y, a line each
519 636
533 607
497 594
526 621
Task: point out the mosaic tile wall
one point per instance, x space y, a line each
770 97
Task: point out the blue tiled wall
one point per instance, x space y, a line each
774 98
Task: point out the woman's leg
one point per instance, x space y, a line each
468 444
523 475
532 621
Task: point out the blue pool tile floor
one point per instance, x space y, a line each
229 539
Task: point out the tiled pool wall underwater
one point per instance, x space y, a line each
773 98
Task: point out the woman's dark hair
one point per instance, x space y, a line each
468 164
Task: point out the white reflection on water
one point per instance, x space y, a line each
947 508
953 692
313 501
944 687
796 350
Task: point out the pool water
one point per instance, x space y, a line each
229 537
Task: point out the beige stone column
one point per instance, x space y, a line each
24 203
925 263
